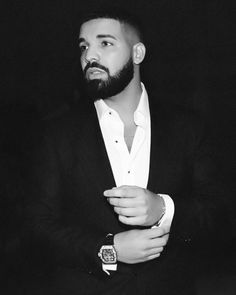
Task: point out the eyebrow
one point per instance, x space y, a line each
106 36
100 36
81 40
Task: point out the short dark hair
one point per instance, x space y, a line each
123 16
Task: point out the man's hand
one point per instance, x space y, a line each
136 246
135 205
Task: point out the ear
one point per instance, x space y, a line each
139 51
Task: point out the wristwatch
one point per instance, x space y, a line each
108 255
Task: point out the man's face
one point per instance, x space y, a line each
106 57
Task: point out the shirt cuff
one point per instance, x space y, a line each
167 217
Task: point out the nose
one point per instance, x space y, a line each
91 54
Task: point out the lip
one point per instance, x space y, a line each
94 71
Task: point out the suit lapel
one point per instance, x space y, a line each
94 149
158 153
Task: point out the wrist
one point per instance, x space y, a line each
108 255
116 245
161 209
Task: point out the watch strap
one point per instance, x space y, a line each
109 267
109 240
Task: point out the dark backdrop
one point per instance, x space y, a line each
190 60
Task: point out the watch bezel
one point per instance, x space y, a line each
111 259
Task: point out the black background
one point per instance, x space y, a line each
190 60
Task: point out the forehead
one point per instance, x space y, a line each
103 26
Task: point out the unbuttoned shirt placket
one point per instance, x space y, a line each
123 160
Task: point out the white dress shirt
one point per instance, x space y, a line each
131 167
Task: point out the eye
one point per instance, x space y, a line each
83 47
106 43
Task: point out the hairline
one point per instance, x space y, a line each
124 21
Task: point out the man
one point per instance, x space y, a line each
110 173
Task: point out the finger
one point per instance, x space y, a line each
151 257
157 243
156 232
155 251
131 220
121 202
166 237
115 192
129 186
128 212
123 191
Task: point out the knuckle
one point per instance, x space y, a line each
161 230
144 253
126 190
111 201
146 245
122 219
117 210
129 221
141 211
162 242
142 202
145 209
161 249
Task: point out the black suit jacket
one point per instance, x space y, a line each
69 216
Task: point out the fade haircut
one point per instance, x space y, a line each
122 16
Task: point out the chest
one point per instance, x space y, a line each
129 133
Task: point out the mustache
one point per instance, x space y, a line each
95 65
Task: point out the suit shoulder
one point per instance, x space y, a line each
179 121
178 114
68 121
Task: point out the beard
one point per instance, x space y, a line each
113 85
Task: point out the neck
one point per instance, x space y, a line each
126 102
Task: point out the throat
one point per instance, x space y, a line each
129 134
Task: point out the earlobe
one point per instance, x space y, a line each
139 51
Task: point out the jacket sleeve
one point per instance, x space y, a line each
202 217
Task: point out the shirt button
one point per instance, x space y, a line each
188 240
116 141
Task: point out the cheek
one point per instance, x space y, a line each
118 63
82 63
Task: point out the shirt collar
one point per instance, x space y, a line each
102 108
141 114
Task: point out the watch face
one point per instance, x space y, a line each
107 254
